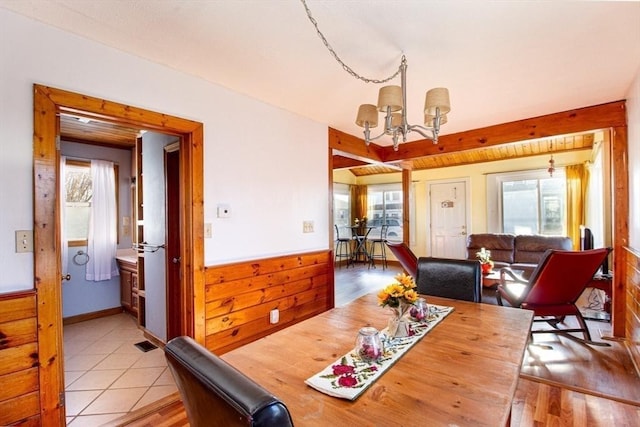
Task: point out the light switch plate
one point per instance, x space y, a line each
24 241
307 226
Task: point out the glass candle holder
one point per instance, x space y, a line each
420 310
368 344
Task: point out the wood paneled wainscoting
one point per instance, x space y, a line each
240 296
19 393
632 329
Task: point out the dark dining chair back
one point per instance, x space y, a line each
405 257
450 278
216 394
553 289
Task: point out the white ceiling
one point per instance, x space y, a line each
501 60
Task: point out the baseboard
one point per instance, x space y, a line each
93 315
153 339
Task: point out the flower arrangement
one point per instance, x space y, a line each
362 221
401 292
484 256
485 260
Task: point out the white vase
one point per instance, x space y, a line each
398 324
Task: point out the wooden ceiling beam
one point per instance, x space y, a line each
564 123
349 144
586 119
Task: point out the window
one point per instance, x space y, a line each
385 207
531 203
341 205
77 182
79 190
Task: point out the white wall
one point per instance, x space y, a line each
269 165
633 126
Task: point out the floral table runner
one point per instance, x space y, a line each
349 376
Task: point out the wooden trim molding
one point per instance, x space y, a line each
48 103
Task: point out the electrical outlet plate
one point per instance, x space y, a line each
207 230
274 316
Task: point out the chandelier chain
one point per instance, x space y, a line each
337 58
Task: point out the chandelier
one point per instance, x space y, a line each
392 101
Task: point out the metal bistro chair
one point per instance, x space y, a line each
343 247
382 242
553 289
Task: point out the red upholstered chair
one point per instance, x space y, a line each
405 257
553 289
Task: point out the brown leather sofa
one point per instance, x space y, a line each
520 252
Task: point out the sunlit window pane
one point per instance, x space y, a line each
78 204
534 206
385 207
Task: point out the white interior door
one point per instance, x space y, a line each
448 219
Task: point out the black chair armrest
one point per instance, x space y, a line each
215 393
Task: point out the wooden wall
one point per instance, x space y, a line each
239 296
19 390
632 324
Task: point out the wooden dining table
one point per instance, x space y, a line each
463 372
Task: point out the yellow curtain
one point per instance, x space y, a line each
359 202
576 195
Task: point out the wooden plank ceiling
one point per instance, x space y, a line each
76 128
488 154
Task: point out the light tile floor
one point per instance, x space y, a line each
106 375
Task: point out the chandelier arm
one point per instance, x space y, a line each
420 129
337 58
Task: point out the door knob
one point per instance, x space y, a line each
67 277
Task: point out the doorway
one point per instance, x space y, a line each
448 219
49 103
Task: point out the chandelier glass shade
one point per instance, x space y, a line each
392 102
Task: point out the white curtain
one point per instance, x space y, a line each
62 205
102 239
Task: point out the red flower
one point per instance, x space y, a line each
347 381
343 369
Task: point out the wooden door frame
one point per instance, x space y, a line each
48 104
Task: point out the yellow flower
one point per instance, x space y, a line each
411 296
402 291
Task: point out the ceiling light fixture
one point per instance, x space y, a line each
552 163
392 101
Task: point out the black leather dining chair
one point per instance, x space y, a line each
449 278
214 393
